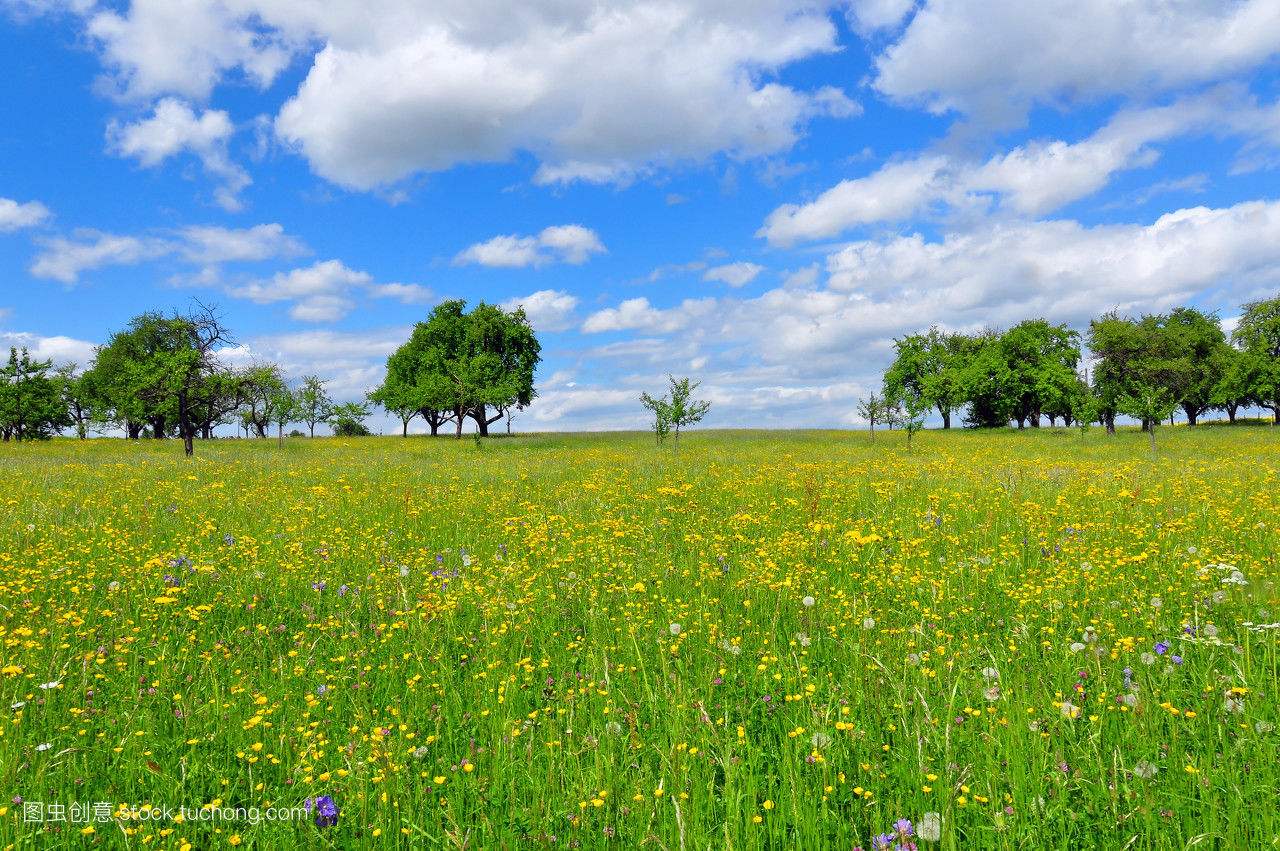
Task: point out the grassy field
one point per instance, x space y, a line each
782 640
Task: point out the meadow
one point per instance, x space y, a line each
1034 639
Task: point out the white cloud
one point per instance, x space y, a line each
868 16
734 274
875 290
403 293
1031 179
596 90
896 191
997 58
548 310
572 244
15 216
208 244
325 291
59 349
637 314
353 362
319 291
186 46
64 259
1001 274
174 128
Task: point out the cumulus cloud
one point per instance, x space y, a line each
573 244
173 129
325 291
318 292
59 349
186 46
353 362
1030 180
867 16
548 310
403 293
637 314
995 59
209 244
597 91
65 259
15 216
734 274
801 334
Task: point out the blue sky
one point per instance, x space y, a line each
761 194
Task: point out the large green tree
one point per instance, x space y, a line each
1042 360
1194 344
162 371
31 402
458 365
1258 335
930 367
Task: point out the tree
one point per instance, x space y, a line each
1258 334
661 410
128 373
1236 379
1194 340
31 403
263 390
910 415
1150 404
458 365
397 399
496 371
162 371
347 420
986 381
872 409
73 390
677 409
283 410
931 367
1041 360
313 403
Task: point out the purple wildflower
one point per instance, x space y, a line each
1161 648
326 811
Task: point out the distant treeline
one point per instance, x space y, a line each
1145 367
165 376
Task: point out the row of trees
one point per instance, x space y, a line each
1145 368
161 376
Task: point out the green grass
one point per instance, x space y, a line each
476 646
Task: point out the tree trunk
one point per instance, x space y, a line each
1035 419
458 416
311 429
280 435
1151 433
1191 416
435 426
1110 420
184 426
405 432
1231 413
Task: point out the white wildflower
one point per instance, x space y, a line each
929 827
